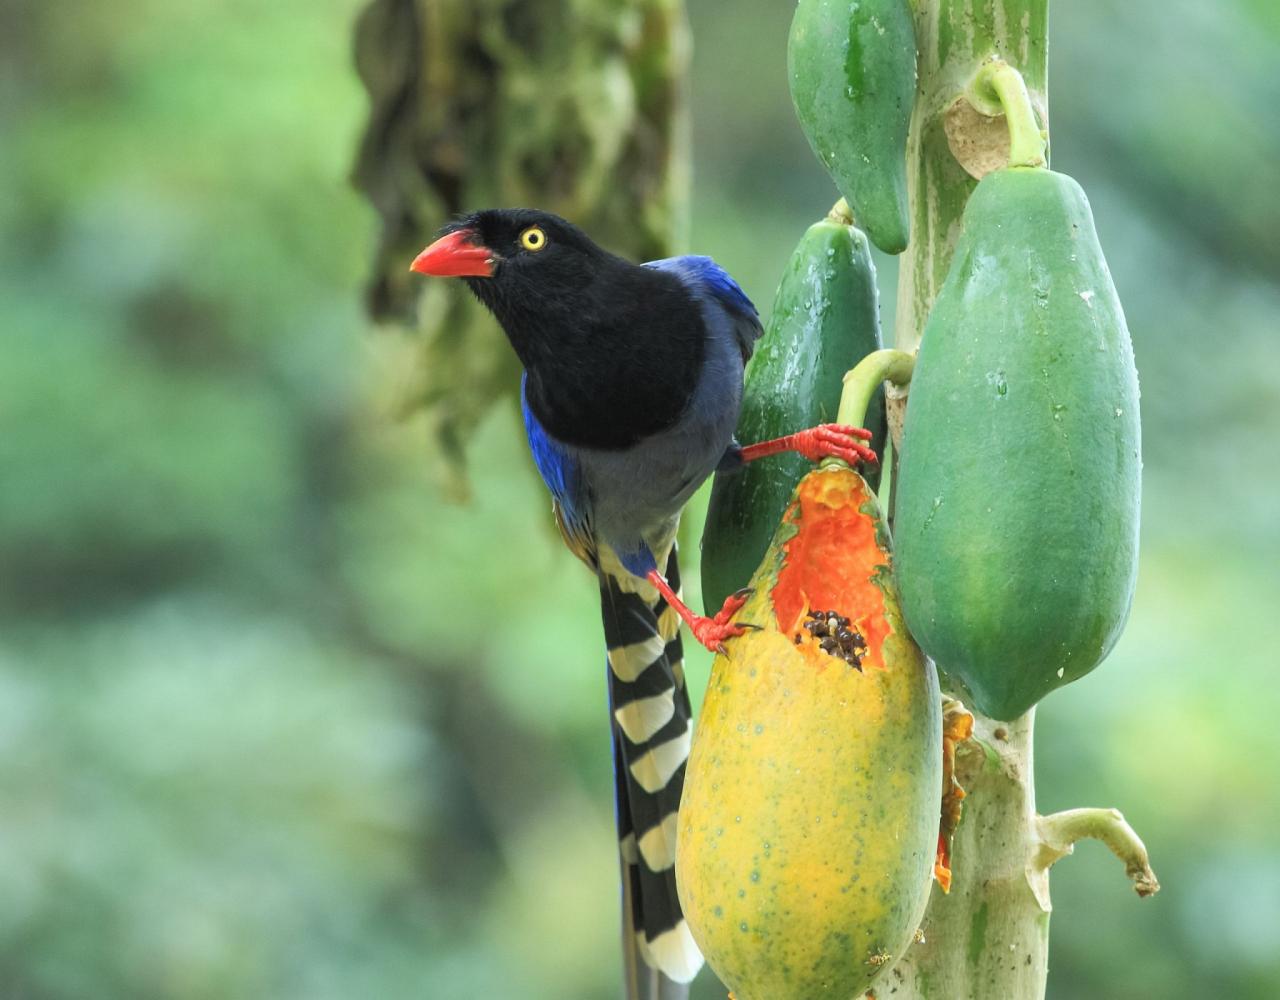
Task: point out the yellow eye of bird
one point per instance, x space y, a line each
533 238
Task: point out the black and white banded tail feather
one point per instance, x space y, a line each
651 731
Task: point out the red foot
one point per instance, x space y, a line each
711 632
816 443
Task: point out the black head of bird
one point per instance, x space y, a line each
612 349
532 269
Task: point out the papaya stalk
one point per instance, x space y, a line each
980 105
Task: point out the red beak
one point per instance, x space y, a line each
455 255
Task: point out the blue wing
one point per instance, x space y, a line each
560 470
713 284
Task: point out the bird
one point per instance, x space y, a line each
632 382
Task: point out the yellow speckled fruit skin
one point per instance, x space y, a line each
809 821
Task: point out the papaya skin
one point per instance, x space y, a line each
809 821
852 72
825 317
1017 513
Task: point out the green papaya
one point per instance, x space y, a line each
825 318
1018 490
852 71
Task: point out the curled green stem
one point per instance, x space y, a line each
861 382
997 88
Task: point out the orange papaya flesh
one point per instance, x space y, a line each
957 726
809 821
833 564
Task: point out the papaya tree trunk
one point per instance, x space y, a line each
575 106
950 144
988 939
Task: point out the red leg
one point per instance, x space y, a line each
711 632
817 443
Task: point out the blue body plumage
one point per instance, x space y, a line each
627 498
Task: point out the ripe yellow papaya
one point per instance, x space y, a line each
809 820
1016 530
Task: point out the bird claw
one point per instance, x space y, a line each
723 650
712 632
732 605
834 441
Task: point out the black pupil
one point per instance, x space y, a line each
534 238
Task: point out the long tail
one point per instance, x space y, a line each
651 730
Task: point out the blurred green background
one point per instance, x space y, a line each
276 721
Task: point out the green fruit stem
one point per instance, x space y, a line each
862 381
998 89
